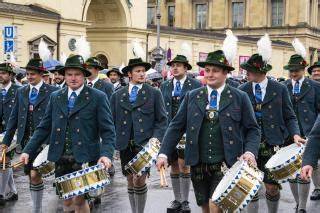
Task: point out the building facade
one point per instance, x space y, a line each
112 25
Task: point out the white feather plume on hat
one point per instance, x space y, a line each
299 48
265 48
44 51
230 46
137 49
186 50
83 48
13 61
63 59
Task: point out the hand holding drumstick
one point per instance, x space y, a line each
161 165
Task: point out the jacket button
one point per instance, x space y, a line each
167 113
269 106
306 119
305 110
61 116
139 109
230 128
123 133
21 125
168 103
125 112
196 114
78 130
141 130
58 129
39 109
23 109
124 122
303 102
231 142
140 120
9 106
272 126
22 117
77 117
79 143
190 142
192 128
57 142
228 114
271 116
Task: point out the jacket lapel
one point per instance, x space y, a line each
81 101
169 91
25 95
249 90
43 93
202 99
270 93
98 84
10 94
63 100
225 99
142 97
186 87
305 88
124 99
290 88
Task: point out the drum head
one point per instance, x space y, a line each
227 179
42 157
284 154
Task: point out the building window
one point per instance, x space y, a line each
34 45
171 19
310 12
201 16
151 15
276 12
237 14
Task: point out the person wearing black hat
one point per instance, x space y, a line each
139 116
314 71
274 113
173 92
115 76
220 127
94 66
8 92
57 77
78 123
28 110
305 98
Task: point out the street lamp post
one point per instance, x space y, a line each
158 54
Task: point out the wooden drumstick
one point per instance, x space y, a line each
18 164
163 177
3 156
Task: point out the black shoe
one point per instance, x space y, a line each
97 201
315 195
111 171
175 207
12 197
2 201
185 207
302 211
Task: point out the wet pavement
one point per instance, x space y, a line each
115 199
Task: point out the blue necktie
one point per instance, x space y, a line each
213 99
258 98
258 94
72 100
296 89
177 89
33 96
133 94
4 93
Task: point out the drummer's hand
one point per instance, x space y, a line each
105 161
2 147
249 157
162 162
306 172
298 140
24 157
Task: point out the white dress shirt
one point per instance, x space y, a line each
181 83
77 91
219 91
294 82
263 85
116 84
36 86
132 85
61 85
93 81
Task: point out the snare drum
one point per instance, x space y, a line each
238 186
90 179
182 142
42 165
144 158
286 163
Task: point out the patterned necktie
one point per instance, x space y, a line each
213 99
72 100
258 94
133 94
33 96
296 89
4 93
177 89
90 84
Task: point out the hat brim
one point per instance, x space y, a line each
8 71
189 67
250 68
204 63
34 68
95 66
311 68
128 68
294 67
86 72
116 71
